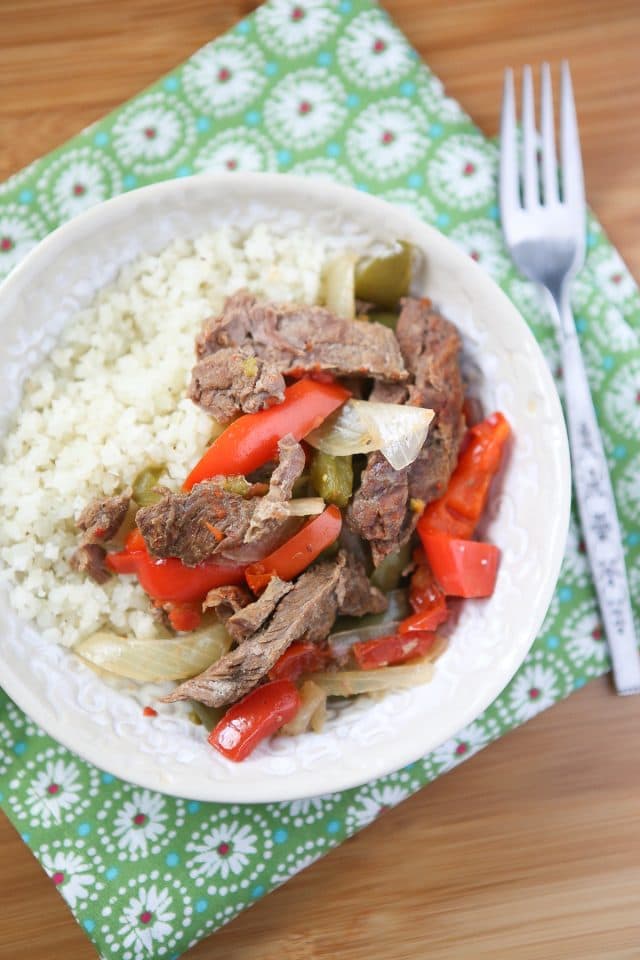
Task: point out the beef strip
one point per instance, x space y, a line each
233 381
192 525
270 509
225 601
380 509
303 339
305 610
102 518
89 558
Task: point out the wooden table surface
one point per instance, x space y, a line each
531 849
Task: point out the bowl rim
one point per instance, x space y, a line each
279 788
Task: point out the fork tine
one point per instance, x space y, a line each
549 159
509 193
529 157
572 177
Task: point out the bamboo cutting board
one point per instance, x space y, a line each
532 849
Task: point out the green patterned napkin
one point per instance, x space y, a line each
323 88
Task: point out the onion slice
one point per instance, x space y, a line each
397 430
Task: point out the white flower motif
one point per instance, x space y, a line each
147 920
324 168
225 850
372 801
140 822
585 637
460 747
437 104
154 135
412 201
612 277
612 330
53 791
372 52
482 241
238 149
305 108
225 76
628 490
292 866
295 28
534 689
76 180
622 400
70 874
20 231
387 138
530 302
462 171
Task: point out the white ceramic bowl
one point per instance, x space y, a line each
491 639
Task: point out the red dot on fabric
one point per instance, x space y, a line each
146 916
150 133
305 107
53 788
474 255
58 878
297 13
534 693
232 164
461 749
224 75
468 169
139 819
6 243
79 189
223 849
387 137
379 46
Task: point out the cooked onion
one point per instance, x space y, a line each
148 661
312 698
305 507
340 285
397 430
348 683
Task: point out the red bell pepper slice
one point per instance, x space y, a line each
463 568
426 620
397 648
458 511
171 580
252 440
184 617
297 659
298 552
255 717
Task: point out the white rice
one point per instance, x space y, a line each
111 399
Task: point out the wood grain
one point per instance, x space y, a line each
531 849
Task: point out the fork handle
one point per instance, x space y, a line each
597 508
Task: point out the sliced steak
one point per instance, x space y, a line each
193 525
240 670
89 558
225 601
234 381
250 618
355 594
303 339
380 509
102 518
270 509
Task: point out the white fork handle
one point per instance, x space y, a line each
597 508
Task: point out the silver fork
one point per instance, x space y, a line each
545 232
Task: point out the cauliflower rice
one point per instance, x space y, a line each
112 399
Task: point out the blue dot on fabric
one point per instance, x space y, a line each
333 826
271 69
581 324
243 27
111 873
26 196
363 187
620 452
203 124
553 642
633 539
201 905
608 363
1 796
493 211
353 100
172 860
408 88
193 806
89 925
184 171
334 149
129 181
253 118
107 778
84 829
443 219
20 748
565 594
284 157
171 84
324 59
591 240
101 139
346 6
579 682
257 891
415 180
25 837
436 129
280 836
